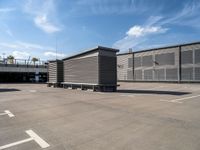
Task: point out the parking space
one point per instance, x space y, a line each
145 116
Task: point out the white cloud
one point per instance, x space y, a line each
23 49
5 10
138 31
137 35
51 54
45 25
43 13
20 54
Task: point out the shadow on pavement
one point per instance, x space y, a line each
153 92
8 90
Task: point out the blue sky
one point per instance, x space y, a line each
32 27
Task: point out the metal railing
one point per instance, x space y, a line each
23 62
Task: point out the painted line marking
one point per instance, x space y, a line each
179 100
32 91
7 112
37 139
33 137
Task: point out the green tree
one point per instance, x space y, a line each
11 59
34 60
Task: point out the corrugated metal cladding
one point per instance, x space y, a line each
93 67
55 70
173 63
81 70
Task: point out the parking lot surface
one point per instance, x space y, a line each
139 116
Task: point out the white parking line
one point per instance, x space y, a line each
37 139
7 112
33 137
179 100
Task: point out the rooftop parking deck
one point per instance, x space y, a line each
139 116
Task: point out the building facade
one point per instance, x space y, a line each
178 63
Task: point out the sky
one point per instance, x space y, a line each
49 29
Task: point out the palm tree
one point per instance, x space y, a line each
10 59
34 59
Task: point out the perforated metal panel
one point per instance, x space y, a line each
172 74
165 59
138 75
147 61
197 73
159 75
130 62
197 56
137 62
187 57
187 74
148 74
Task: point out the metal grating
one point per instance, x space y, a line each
138 75
197 73
130 62
147 61
172 74
159 74
148 74
187 57
165 59
197 56
187 74
137 62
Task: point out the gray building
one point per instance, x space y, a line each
177 63
18 70
95 68
55 72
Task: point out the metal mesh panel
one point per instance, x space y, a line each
148 74
187 73
138 74
147 61
159 75
165 59
130 62
172 74
197 56
137 62
197 73
187 57
130 75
